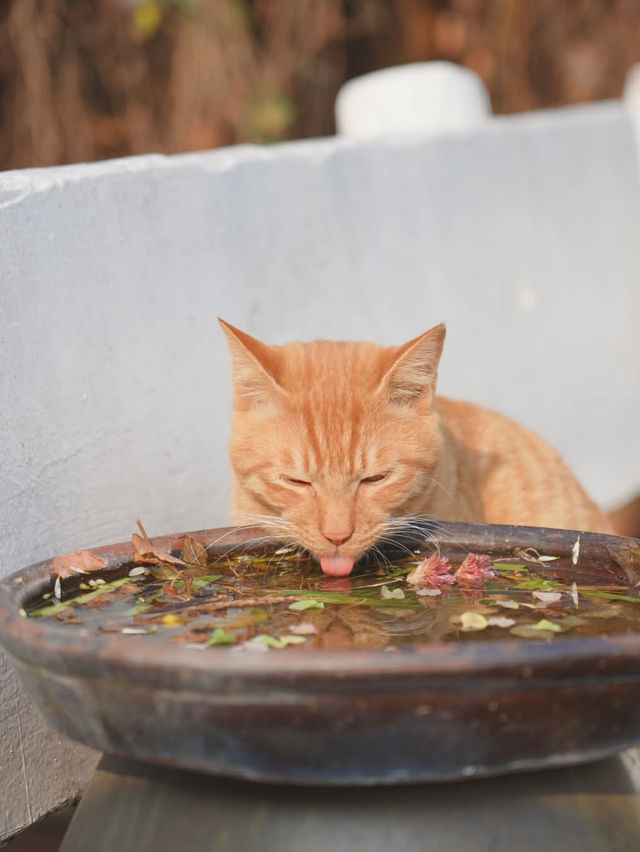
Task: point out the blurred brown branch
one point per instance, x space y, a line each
89 79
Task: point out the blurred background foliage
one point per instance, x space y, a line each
89 79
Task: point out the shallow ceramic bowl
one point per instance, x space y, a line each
418 713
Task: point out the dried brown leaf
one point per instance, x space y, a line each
79 562
170 592
145 551
626 553
194 553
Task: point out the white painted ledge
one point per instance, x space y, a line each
522 233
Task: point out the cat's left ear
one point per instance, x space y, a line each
254 366
411 377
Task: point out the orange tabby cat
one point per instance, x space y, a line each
333 443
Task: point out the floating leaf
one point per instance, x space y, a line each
308 603
281 642
391 594
171 620
571 621
79 562
575 551
529 631
626 554
537 584
500 621
255 645
506 604
194 553
164 572
545 624
547 597
473 621
286 550
305 628
608 596
220 636
509 567
145 551
206 580
170 591
101 591
247 619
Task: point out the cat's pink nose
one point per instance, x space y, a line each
338 538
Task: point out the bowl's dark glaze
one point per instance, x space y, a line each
425 712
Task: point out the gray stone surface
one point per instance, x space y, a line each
522 234
39 768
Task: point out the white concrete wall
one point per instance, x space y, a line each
522 234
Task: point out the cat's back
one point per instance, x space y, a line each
521 478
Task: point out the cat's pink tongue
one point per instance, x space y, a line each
337 566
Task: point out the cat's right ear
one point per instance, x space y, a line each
411 377
254 367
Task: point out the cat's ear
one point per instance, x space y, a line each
412 374
254 367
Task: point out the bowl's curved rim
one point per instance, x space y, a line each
43 643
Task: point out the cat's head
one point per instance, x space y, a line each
330 441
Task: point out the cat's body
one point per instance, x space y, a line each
333 443
502 473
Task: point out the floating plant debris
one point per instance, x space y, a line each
281 600
474 571
80 562
434 571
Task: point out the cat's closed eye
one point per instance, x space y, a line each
378 477
290 480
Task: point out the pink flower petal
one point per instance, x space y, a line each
434 571
474 570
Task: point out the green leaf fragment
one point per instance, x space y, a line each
388 594
538 584
545 624
528 631
510 567
105 588
473 621
308 603
282 641
247 619
200 582
220 636
608 596
506 604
